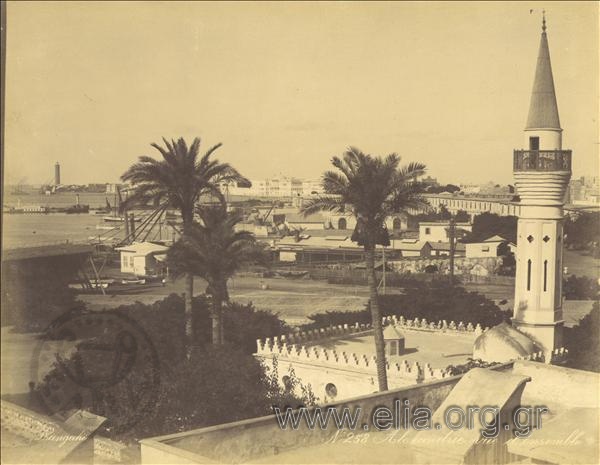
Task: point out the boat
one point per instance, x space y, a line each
133 281
78 208
114 219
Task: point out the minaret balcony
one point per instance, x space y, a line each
542 160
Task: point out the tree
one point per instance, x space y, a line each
583 232
488 224
178 181
583 342
373 189
214 250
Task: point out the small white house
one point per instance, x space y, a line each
438 231
412 248
488 247
143 259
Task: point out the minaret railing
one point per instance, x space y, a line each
542 160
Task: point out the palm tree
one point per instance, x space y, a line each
214 250
178 181
372 189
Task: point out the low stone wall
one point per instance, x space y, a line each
28 424
262 438
441 326
484 266
107 450
250 440
302 348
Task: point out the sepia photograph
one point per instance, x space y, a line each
321 232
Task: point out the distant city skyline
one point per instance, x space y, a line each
285 87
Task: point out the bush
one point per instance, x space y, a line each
580 288
583 232
218 385
454 370
583 342
435 303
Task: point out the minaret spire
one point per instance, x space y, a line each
543 109
544 21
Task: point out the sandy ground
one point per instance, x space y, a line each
295 299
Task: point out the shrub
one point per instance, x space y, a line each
217 385
583 342
454 370
435 303
583 232
580 288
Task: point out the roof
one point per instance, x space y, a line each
143 248
391 332
496 238
543 110
503 343
299 218
446 246
443 223
409 245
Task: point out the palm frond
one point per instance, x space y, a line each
323 203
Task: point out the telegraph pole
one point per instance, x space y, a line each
452 234
383 264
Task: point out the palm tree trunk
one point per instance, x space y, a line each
376 318
189 330
217 329
189 294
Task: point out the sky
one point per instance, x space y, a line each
286 86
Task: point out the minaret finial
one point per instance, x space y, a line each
544 21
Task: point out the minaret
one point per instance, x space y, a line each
57 174
541 173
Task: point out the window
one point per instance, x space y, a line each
485 248
545 273
529 275
534 143
331 390
427 230
393 347
342 223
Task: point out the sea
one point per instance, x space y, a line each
31 229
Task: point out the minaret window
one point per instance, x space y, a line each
534 143
545 273
529 274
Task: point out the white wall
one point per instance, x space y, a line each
482 249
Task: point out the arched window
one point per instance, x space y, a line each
342 224
529 274
397 224
545 273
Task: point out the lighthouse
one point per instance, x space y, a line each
541 171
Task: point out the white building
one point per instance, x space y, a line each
488 248
143 259
280 187
438 231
